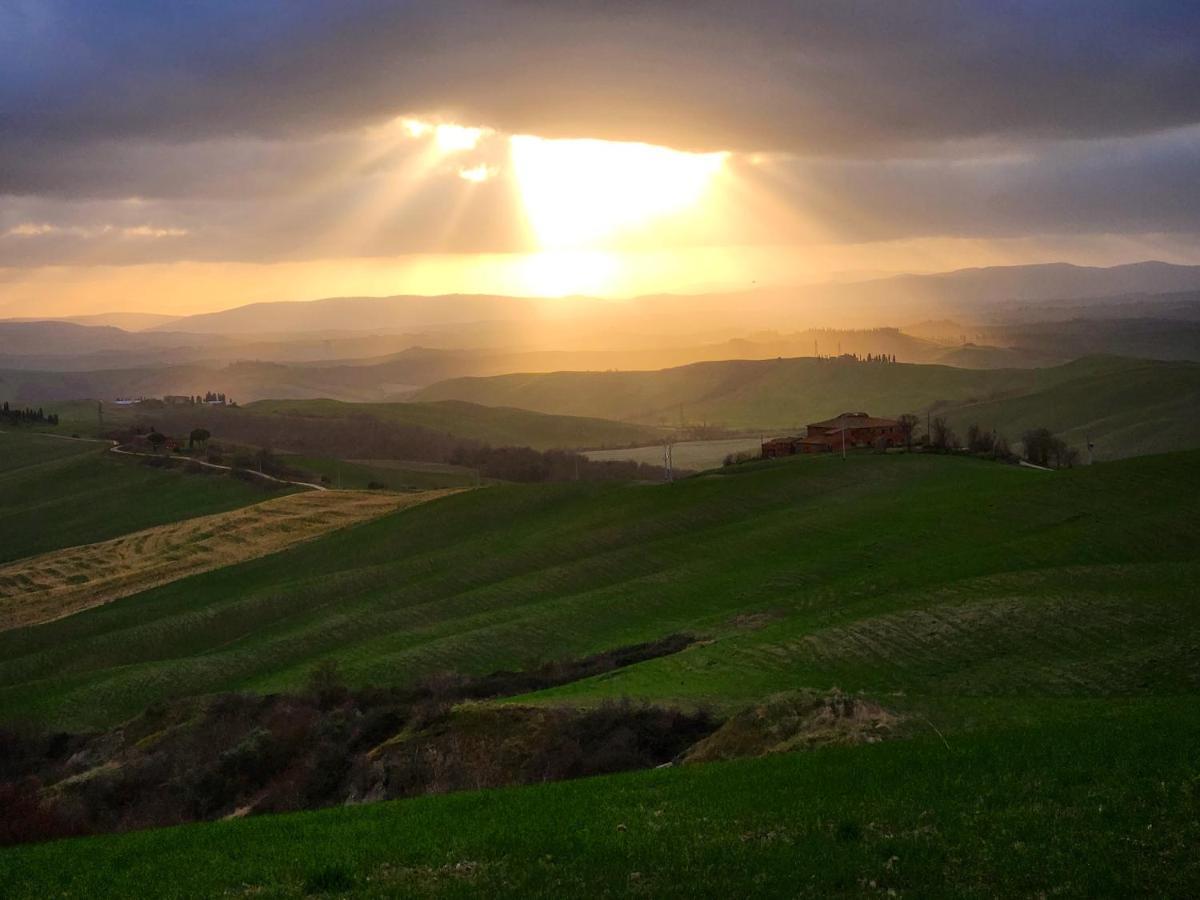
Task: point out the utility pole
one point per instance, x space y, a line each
843 442
670 476
100 413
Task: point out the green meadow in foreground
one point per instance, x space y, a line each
1073 798
58 493
1037 632
938 577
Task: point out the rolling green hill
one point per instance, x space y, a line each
394 474
1094 800
493 425
936 576
780 393
1127 411
1133 406
1037 630
58 493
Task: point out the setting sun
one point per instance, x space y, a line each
579 193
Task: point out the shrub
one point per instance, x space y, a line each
325 684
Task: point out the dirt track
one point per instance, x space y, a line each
62 582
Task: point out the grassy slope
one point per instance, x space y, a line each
1127 406
393 473
1083 799
1039 628
497 426
1135 410
940 577
778 393
22 448
63 582
58 493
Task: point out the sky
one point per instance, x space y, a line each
183 157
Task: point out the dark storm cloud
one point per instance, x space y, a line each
1148 184
879 119
801 77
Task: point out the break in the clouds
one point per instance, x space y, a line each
144 131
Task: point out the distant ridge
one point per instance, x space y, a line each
882 300
126 321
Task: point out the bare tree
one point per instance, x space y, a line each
1043 448
941 437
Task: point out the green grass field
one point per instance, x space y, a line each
58 493
1130 411
1129 407
395 474
1079 798
23 448
493 425
1038 632
940 577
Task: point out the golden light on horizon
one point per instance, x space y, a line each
581 193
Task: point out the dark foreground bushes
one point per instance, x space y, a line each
238 754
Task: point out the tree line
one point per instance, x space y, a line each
1039 446
14 415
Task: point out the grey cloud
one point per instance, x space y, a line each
1130 185
864 77
243 124
361 215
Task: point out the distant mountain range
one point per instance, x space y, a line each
385 349
879 299
127 321
987 294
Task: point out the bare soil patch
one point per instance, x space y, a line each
796 721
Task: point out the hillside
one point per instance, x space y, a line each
772 394
1033 633
1091 801
1015 619
498 426
1134 406
871 302
63 582
976 557
57 493
1128 411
